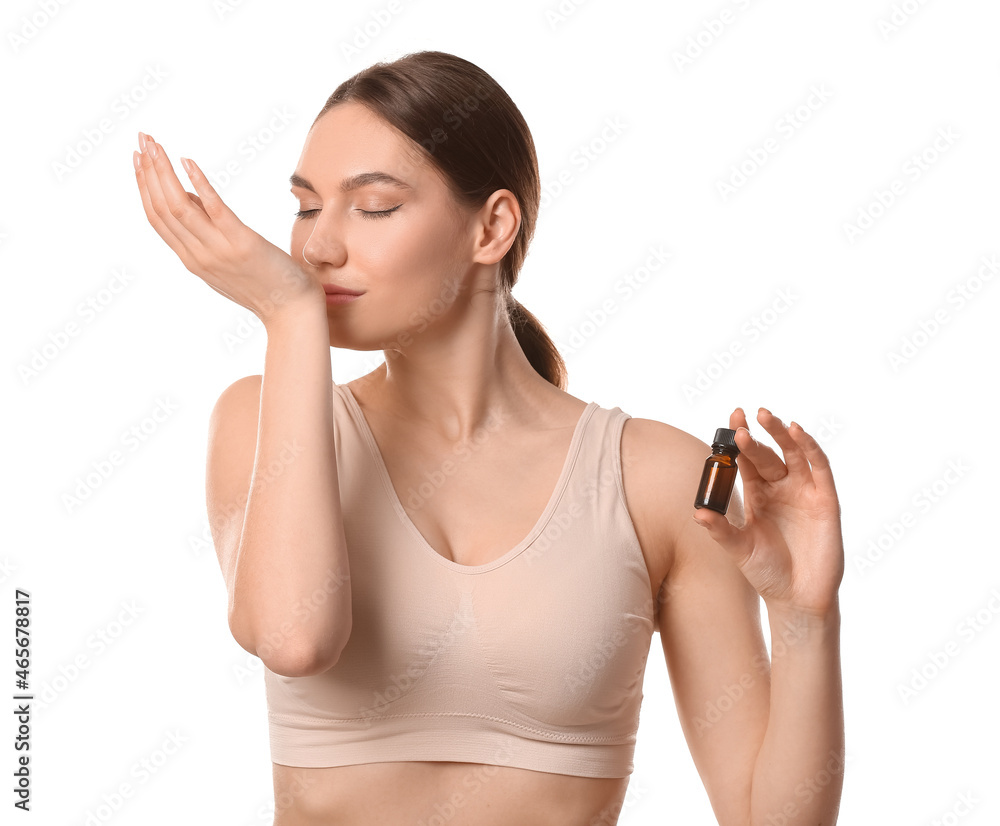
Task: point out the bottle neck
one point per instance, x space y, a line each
726 450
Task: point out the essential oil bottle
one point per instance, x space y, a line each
719 475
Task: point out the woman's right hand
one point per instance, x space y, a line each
214 244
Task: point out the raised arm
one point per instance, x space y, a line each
274 503
272 487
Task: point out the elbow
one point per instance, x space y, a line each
297 660
286 655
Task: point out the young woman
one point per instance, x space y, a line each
450 567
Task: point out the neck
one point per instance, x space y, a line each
463 372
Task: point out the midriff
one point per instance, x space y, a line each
430 792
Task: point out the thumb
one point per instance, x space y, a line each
721 530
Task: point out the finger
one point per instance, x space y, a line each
795 460
194 198
763 465
821 471
753 482
178 202
157 173
734 540
162 230
745 442
214 206
159 216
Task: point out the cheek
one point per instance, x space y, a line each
414 255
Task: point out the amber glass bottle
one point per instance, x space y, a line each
719 475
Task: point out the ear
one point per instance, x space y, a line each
496 226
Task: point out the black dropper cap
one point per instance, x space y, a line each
725 438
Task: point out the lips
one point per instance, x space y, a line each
333 289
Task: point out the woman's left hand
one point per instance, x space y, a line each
790 547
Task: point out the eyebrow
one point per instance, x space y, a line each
354 181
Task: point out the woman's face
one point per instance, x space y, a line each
407 247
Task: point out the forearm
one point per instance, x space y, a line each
292 587
798 775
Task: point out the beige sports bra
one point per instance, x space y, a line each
534 660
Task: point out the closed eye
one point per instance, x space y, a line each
384 213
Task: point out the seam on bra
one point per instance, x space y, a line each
277 717
619 428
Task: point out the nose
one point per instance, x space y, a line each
324 245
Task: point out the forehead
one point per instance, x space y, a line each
350 139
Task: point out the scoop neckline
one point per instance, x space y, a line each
540 523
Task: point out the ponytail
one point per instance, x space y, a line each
540 350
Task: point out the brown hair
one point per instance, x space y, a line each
471 130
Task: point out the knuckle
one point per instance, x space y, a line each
215 207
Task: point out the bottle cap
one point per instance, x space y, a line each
726 438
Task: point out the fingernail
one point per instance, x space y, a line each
187 165
135 160
769 413
142 142
152 149
738 429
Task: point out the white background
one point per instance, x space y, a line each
137 550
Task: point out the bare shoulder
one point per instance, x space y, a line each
233 417
240 391
661 468
232 445
232 430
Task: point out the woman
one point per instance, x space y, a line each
435 650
